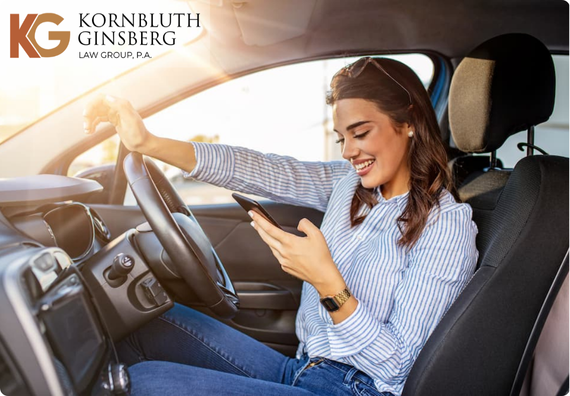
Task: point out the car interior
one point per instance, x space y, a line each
80 269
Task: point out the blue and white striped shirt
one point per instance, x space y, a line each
402 294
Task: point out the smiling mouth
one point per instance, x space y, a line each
363 165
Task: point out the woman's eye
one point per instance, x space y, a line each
360 136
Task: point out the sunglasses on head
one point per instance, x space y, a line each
355 69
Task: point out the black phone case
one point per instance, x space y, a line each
249 204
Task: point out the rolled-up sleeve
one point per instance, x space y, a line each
440 265
279 178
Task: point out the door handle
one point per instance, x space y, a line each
254 295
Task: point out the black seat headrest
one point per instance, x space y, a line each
505 85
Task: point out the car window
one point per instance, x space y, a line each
551 136
105 153
280 110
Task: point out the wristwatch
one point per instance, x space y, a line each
333 303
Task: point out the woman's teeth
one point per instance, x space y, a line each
363 165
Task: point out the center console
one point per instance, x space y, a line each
51 320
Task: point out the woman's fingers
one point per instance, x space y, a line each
120 113
269 228
103 108
95 112
285 265
306 227
273 243
91 125
297 255
277 255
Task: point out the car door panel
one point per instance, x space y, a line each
269 296
266 295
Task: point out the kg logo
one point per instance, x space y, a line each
25 36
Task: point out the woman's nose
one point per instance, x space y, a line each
349 149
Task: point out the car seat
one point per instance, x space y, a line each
505 85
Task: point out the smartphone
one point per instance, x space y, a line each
249 204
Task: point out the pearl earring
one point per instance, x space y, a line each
411 134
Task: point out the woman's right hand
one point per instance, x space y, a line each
133 133
120 113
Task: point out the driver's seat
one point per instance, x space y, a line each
478 346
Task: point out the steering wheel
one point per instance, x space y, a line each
181 236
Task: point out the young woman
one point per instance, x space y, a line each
394 250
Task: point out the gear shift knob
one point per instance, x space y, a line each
122 266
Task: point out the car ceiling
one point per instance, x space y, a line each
451 27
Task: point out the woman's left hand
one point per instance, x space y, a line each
308 258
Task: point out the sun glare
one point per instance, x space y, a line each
31 88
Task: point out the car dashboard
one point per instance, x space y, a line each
61 311
74 227
46 209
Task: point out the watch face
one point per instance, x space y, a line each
330 304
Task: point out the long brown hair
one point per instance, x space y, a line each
427 159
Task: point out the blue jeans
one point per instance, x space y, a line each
186 352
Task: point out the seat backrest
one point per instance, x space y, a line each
503 86
523 237
477 347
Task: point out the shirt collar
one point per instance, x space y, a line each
401 200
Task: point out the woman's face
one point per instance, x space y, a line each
375 148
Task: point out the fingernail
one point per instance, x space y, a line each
110 98
252 224
84 112
250 213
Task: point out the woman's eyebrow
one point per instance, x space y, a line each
352 126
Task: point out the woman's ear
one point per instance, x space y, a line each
406 127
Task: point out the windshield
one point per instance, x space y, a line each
53 81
